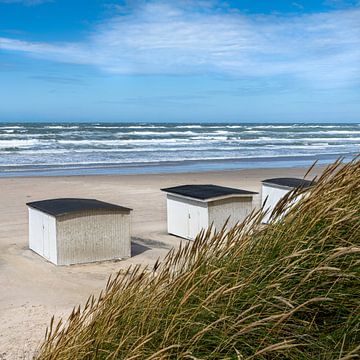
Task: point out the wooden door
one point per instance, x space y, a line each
46 237
193 222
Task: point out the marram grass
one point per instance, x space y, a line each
290 290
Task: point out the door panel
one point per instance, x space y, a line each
193 222
46 238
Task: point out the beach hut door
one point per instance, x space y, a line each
46 237
193 222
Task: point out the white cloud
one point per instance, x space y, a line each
166 38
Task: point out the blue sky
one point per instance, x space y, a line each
190 60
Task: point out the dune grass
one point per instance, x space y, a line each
290 290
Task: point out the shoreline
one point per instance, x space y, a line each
33 289
172 167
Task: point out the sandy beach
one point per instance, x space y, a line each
32 289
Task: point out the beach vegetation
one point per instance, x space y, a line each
287 290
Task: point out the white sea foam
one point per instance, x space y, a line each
21 136
108 163
190 126
88 145
205 139
335 132
60 127
209 138
108 127
157 133
11 127
145 126
117 142
17 143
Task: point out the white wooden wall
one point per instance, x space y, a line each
186 217
93 236
42 234
236 208
274 195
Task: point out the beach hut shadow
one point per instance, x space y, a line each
137 249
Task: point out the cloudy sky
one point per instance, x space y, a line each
190 60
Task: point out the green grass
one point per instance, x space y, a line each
290 290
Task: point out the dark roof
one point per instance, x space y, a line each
58 207
205 192
290 182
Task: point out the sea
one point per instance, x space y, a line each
53 149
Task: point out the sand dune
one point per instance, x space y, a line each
32 290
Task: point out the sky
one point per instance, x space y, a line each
182 61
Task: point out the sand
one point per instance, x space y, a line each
32 289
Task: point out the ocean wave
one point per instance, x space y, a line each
115 141
217 140
107 127
162 150
246 135
61 127
102 164
335 132
84 144
18 143
11 127
145 126
190 126
158 133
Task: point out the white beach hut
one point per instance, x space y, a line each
191 208
273 190
73 231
